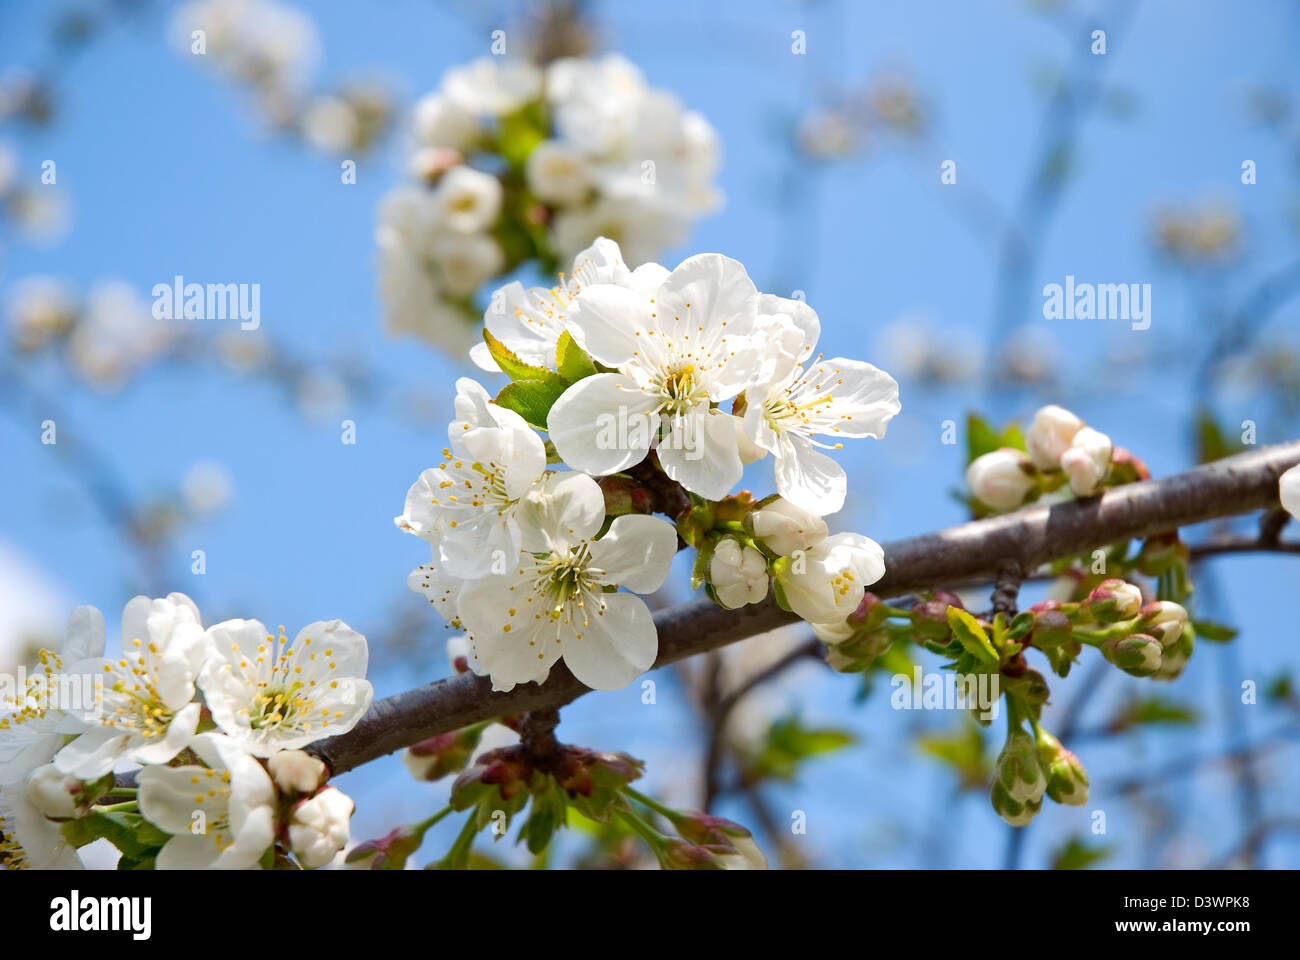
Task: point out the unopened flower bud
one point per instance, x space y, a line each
1163 620
871 612
297 772
858 652
1015 812
1067 781
1018 770
1001 479
624 495
1112 601
55 795
738 574
1160 553
1050 435
724 837
930 617
434 758
387 853
948 597
1052 628
784 528
459 653
1087 462
318 827
1137 654
1173 659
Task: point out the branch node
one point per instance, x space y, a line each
1007 588
537 734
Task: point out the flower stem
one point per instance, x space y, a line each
667 813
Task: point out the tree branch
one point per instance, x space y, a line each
976 550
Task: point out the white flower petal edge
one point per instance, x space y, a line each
466 505
221 815
1288 488
530 322
555 605
146 715
267 694
678 349
834 398
825 584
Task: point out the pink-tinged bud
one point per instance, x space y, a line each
1087 462
950 598
871 612
1067 781
386 853
1124 458
1159 554
1112 601
1050 435
1051 628
624 495
1137 654
1164 620
930 617
710 831
1045 605
434 758
1001 479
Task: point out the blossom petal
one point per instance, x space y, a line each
636 552
808 478
615 647
564 508
702 453
603 424
605 318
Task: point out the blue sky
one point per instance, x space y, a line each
167 175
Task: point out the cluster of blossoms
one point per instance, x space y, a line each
631 373
517 164
272 49
212 720
106 336
1059 450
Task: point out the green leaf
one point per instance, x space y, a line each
971 635
532 399
571 360
980 438
515 368
1154 710
1213 632
1075 856
120 829
789 742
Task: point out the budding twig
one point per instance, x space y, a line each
1033 536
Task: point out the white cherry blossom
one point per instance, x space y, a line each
466 506
677 351
148 713
825 583
267 694
318 827
221 815
555 604
792 404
